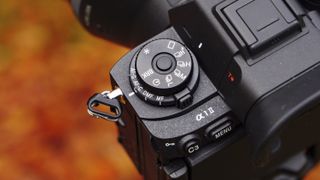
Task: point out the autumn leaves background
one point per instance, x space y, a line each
49 66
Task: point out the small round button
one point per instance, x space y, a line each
164 62
191 147
190 144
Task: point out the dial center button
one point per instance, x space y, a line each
164 63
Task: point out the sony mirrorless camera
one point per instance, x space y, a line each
212 89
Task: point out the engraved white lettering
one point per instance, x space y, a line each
148 73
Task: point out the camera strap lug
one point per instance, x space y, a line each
108 99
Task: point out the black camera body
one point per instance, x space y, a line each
231 90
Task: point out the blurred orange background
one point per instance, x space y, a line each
49 66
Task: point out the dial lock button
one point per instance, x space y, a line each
164 63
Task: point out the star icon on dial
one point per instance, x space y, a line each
146 51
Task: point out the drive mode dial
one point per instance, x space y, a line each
164 72
164 66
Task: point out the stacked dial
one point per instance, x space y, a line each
162 69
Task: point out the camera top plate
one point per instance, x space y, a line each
120 78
